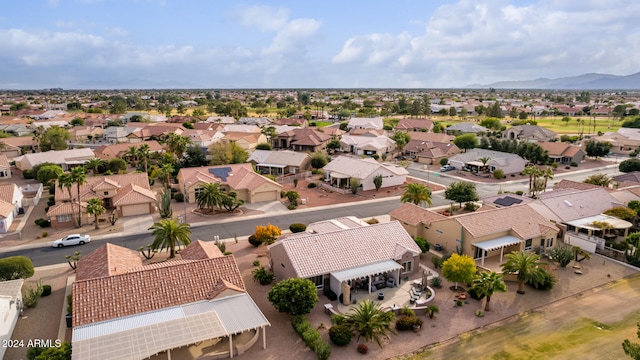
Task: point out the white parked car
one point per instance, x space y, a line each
73 239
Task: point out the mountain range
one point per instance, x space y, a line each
592 81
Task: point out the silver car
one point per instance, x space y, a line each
73 239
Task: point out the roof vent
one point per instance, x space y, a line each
568 203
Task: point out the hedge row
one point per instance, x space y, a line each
311 337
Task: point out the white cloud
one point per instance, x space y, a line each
264 18
293 36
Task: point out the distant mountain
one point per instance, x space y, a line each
582 82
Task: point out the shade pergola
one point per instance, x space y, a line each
279 167
588 223
495 244
369 270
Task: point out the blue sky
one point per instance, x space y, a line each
317 44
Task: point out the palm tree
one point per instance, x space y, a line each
177 144
210 196
96 208
431 310
525 265
416 194
370 321
547 174
66 181
132 155
143 153
93 164
168 233
484 160
533 173
164 173
79 176
486 283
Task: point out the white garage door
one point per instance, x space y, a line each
265 196
139 209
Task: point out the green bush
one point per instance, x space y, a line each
407 323
547 281
375 156
372 221
311 337
52 190
323 351
498 174
312 185
292 206
69 303
179 197
256 262
27 174
444 161
473 293
629 165
554 165
574 164
34 351
436 282
519 192
253 241
262 275
46 290
44 223
52 200
32 297
340 335
297 227
422 243
471 206
16 267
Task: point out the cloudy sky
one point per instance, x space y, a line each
316 44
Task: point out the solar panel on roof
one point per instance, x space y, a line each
221 173
507 201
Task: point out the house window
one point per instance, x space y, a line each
197 191
528 244
63 218
407 266
549 242
106 193
319 281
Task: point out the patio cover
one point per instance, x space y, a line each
366 270
474 163
272 165
586 223
337 175
497 243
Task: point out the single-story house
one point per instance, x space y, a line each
10 204
65 158
245 140
280 162
11 308
5 168
361 257
563 153
366 123
529 133
507 162
423 125
301 139
82 133
126 194
117 134
429 152
485 234
112 151
465 128
342 169
625 140
193 307
367 145
239 178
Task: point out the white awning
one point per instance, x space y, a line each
366 270
498 243
272 165
588 222
337 175
474 163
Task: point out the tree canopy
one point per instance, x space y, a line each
466 141
229 153
459 268
461 191
54 138
597 148
294 296
629 165
16 267
416 194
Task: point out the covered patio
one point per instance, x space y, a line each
339 180
494 251
592 232
271 169
368 278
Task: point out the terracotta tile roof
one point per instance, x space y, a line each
199 250
96 185
318 254
19 141
132 194
118 150
439 137
571 204
559 148
7 191
633 176
6 208
65 208
107 260
570 184
410 124
243 176
4 162
521 219
167 284
309 137
414 215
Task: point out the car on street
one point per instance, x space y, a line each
73 239
447 168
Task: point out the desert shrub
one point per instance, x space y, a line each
437 262
574 164
479 313
297 227
16 267
498 174
256 262
471 206
27 174
422 243
45 234
311 337
253 241
436 282
44 223
292 206
375 156
179 197
46 290
263 276
32 297
547 280
372 221
406 311
519 192
340 335
312 185
363 348
407 323
323 351
473 293
554 165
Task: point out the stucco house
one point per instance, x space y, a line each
5 168
366 123
11 308
112 151
65 158
195 306
280 162
10 203
239 178
429 152
368 144
302 139
415 125
126 194
625 140
507 162
529 132
342 169
465 128
245 140
563 153
347 259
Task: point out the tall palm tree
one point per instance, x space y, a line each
484 160
132 155
177 144
79 177
486 283
210 196
96 208
370 321
547 174
143 153
416 194
66 181
525 265
93 164
163 173
168 233
533 173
